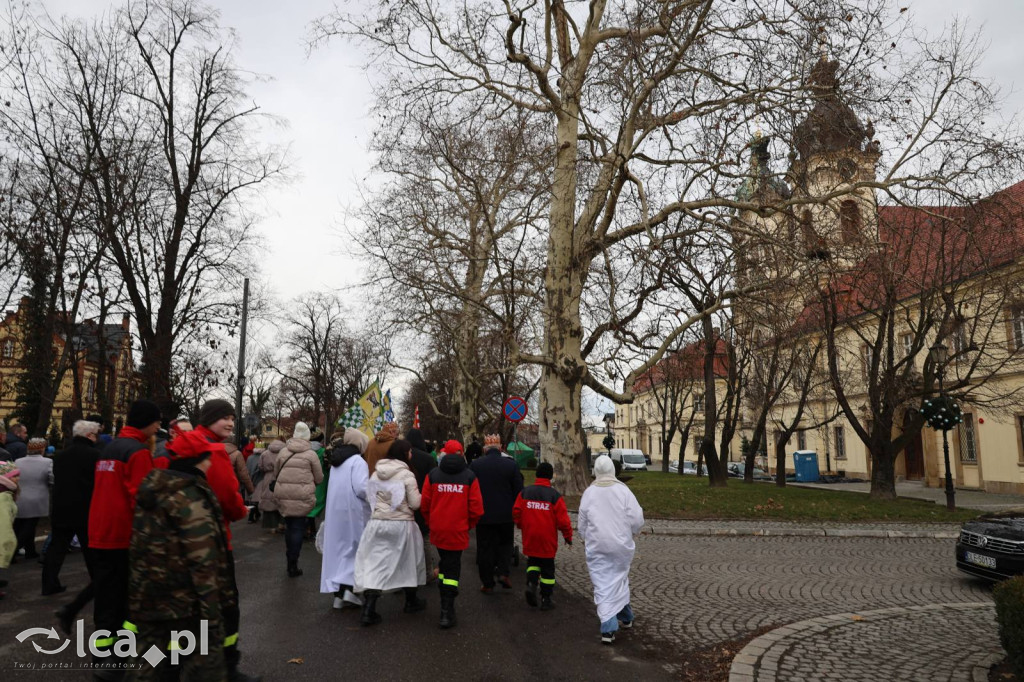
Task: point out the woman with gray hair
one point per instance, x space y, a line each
346 513
34 498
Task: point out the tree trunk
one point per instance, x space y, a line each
883 473
780 461
156 373
684 437
561 429
717 476
752 450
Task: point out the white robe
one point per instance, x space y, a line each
345 519
609 517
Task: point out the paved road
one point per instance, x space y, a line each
688 592
498 637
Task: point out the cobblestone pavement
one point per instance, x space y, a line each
801 528
691 592
852 646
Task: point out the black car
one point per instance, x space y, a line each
992 546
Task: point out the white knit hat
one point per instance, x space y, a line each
301 431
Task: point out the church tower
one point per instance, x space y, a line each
834 151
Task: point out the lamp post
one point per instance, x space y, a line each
939 355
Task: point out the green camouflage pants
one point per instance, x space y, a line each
192 667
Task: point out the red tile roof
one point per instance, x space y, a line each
686 364
926 247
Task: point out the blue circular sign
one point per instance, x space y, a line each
515 409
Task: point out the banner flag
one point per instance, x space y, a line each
366 412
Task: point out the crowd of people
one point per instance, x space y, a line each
152 511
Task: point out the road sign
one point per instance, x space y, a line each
251 422
515 409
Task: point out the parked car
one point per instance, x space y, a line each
737 469
992 546
631 460
689 468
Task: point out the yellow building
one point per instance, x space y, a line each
884 284
673 390
85 364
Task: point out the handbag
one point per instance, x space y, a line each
273 484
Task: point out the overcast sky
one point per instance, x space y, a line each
324 98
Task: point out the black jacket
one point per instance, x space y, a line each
500 484
474 451
421 464
341 453
15 446
73 474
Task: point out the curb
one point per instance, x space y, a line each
758 655
806 532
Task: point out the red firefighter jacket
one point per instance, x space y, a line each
540 512
451 503
223 482
120 467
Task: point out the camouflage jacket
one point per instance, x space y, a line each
179 563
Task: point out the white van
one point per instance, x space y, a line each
632 460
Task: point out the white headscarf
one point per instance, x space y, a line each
357 438
604 470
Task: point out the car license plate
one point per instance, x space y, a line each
980 560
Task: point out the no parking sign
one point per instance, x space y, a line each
515 409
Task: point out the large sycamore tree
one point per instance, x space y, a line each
650 105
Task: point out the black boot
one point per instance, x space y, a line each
531 593
232 657
65 618
413 604
545 602
370 615
293 568
447 609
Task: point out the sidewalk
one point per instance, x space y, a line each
966 499
684 527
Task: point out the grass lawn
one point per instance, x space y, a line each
690 497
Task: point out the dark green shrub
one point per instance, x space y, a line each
531 463
1009 598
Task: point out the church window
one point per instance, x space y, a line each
849 222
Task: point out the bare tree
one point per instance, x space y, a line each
451 230
328 365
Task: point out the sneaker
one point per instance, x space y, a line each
486 590
505 582
607 638
338 603
352 599
625 625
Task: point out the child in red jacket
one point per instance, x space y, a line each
540 512
451 505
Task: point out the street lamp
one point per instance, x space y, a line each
939 356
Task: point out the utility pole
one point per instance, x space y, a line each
240 389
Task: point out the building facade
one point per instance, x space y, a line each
94 349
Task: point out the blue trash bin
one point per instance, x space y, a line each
806 464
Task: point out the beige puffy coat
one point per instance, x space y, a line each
297 472
393 473
268 465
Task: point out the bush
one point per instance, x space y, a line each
1009 598
531 463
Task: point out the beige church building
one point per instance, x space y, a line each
901 278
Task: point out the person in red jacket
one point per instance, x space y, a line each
120 467
451 505
541 514
215 423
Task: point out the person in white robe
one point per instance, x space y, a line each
608 520
345 517
390 553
